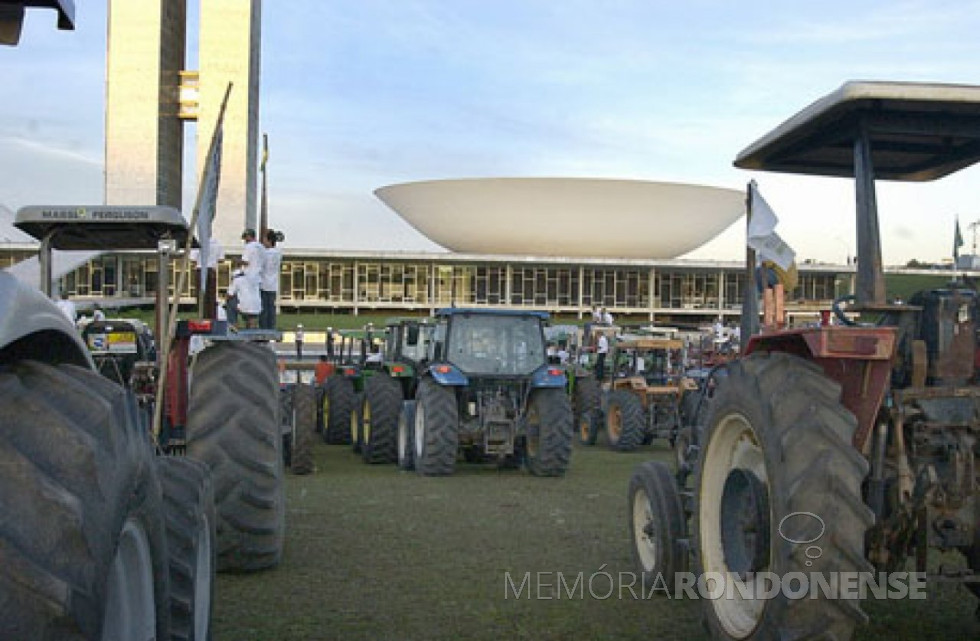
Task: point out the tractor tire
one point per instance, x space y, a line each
624 421
319 409
585 398
355 424
549 432
681 446
287 422
776 474
436 429
588 424
82 536
657 525
379 419
406 436
304 412
338 403
188 501
232 426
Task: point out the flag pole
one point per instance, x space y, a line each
750 297
264 214
171 316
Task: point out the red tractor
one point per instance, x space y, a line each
835 450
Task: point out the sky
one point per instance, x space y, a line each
358 94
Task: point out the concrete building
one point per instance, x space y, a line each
150 95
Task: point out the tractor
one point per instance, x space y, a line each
487 392
347 351
644 397
381 430
838 450
220 466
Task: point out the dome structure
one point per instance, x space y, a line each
575 217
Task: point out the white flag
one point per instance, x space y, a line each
762 235
209 199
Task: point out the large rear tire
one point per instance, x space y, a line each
549 432
777 473
304 410
232 426
338 403
436 429
379 419
82 534
188 501
657 524
624 421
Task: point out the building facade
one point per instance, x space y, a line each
411 282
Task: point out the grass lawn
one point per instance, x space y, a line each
374 553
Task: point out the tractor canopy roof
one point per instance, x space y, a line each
916 132
100 227
650 343
465 311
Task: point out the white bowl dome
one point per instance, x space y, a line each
582 217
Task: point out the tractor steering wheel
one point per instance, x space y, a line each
839 311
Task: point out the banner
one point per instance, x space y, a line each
762 236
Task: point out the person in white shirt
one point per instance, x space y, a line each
246 292
253 255
602 348
607 318
270 278
67 307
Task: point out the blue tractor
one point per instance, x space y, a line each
486 391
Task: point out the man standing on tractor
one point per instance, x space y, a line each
602 348
270 278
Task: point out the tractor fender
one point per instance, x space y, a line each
447 374
548 376
32 327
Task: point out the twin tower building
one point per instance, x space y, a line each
151 93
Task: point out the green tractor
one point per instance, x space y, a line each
391 383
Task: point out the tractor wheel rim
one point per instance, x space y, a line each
419 432
734 449
645 530
366 423
615 424
130 610
402 440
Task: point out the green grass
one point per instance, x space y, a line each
374 553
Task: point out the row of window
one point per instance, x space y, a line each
404 284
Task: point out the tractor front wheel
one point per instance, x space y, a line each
406 436
657 524
188 500
304 412
778 494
